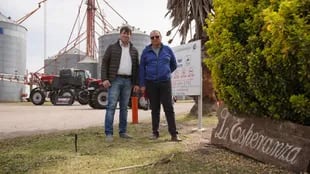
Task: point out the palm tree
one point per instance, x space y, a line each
184 15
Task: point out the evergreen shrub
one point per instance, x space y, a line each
259 56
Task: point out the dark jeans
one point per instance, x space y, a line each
160 93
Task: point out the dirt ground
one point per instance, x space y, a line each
24 119
21 119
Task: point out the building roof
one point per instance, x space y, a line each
71 51
5 18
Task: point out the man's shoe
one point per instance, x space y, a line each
175 138
124 135
109 138
154 137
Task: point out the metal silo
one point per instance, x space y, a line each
89 64
12 58
138 38
70 59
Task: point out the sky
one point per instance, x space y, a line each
61 14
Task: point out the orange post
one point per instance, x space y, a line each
134 109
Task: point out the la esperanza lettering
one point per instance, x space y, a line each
255 140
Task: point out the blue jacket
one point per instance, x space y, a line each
156 68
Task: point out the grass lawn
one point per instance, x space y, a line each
56 152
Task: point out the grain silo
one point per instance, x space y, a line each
12 58
138 38
78 59
89 64
73 58
69 59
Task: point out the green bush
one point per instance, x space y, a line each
260 57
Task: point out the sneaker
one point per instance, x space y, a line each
109 138
153 137
175 138
124 135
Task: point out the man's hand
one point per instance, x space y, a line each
106 84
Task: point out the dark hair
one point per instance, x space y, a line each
125 29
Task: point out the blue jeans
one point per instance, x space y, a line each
120 90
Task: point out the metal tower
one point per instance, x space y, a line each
90 46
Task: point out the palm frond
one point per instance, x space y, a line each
184 12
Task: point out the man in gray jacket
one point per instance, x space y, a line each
119 72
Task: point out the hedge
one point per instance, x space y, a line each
259 56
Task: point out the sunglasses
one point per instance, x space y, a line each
153 37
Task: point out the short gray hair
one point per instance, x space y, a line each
155 31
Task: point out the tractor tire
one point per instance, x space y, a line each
67 93
99 99
53 97
83 97
144 103
37 96
91 104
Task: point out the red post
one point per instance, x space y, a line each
134 109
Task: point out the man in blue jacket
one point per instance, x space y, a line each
156 65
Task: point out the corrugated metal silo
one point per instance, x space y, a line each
138 38
89 64
68 60
12 58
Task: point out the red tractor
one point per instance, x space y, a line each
71 85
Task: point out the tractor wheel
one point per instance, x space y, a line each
37 97
67 93
53 97
83 97
99 99
91 104
144 103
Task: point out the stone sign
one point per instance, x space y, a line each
277 142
